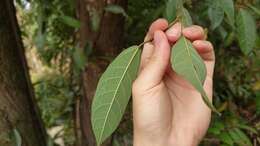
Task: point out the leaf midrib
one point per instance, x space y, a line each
196 74
116 91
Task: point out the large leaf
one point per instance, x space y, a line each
171 9
246 29
216 14
228 7
113 93
186 19
187 63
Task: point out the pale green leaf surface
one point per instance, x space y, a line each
16 137
246 29
216 14
113 93
70 21
186 19
228 7
116 9
187 63
171 9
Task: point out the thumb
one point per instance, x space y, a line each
153 72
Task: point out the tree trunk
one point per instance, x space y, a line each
107 41
18 110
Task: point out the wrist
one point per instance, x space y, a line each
174 140
184 139
150 139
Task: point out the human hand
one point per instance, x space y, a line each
167 110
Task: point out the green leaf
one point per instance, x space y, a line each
94 19
248 128
246 29
228 7
79 58
216 128
70 21
216 14
226 138
16 137
243 137
187 63
171 9
255 9
239 137
113 93
116 9
186 19
223 33
40 40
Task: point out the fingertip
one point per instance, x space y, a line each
159 24
203 46
205 49
174 32
194 32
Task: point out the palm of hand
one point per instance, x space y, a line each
168 107
173 105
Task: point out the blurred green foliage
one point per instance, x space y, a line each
48 26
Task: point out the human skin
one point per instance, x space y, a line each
167 110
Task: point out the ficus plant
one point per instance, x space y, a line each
114 88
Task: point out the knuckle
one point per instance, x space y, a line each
208 45
199 28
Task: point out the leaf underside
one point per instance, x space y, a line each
113 93
246 30
187 63
171 9
216 14
185 19
228 7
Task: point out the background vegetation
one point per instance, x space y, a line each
49 29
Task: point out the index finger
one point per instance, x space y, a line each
194 32
160 24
